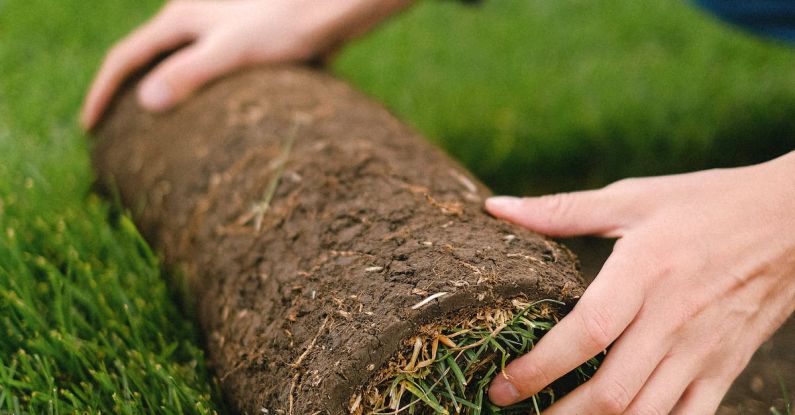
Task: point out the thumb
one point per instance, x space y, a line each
564 214
184 72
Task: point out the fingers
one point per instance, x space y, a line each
702 397
665 386
593 212
173 27
628 366
185 71
604 311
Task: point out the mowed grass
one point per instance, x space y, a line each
87 321
531 95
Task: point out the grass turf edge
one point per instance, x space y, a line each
447 368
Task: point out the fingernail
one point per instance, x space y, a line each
502 202
502 392
155 95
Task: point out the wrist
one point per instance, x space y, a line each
332 23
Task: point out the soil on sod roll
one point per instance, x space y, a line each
318 233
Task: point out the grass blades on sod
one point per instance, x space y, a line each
447 370
532 95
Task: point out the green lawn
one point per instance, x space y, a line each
87 322
546 95
531 95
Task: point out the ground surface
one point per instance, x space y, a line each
533 96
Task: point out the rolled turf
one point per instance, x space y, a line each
324 241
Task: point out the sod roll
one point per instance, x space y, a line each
318 233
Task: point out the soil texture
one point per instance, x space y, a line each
317 232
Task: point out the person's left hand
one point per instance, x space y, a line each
702 275
216 37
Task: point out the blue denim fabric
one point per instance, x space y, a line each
773 18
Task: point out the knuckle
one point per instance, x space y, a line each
598 326
612 397
530 376
556 206
554 203
686 312
713 342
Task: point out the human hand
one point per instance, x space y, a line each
702 274
220 36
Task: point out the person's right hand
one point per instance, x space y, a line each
220 36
